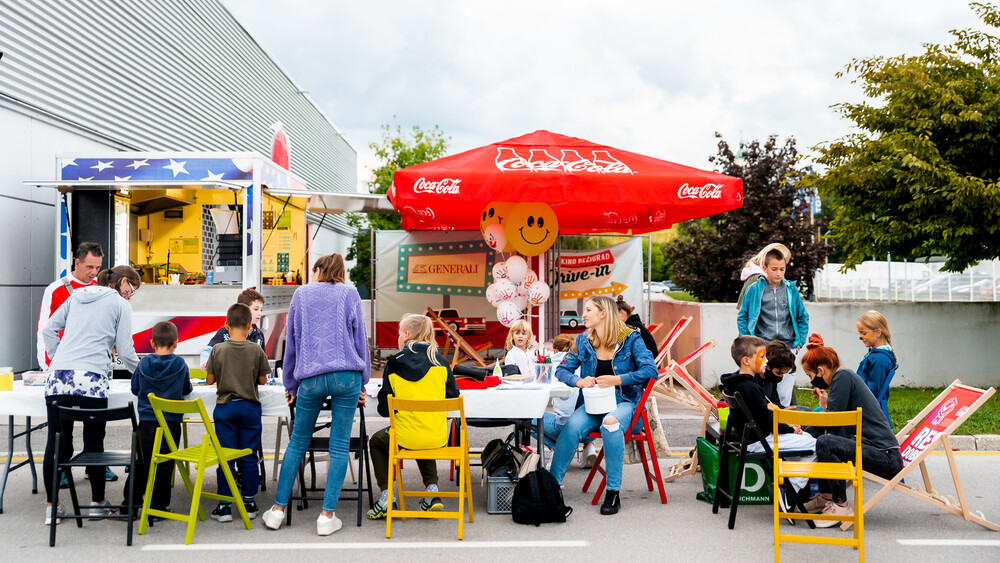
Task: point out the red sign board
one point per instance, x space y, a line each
951 407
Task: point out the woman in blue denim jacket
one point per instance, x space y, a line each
608 354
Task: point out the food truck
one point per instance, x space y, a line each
198 227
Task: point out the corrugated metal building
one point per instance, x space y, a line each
101 75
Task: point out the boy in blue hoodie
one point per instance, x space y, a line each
773 310
164 374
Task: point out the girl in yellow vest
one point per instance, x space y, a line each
418 371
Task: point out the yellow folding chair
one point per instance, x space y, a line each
203 456
847 471
459 454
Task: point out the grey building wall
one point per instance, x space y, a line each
100 75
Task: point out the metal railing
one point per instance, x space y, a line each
909 281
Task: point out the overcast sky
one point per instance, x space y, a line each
658 77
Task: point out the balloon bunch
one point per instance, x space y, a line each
529 228
515 289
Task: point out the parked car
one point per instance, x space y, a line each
569 318
947 287
655 287
987 290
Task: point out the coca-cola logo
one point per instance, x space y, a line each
615 218
569 161
425 213
444 186
708 191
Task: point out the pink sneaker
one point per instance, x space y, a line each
834 509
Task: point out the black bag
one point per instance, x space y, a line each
478 373
498 459
537 499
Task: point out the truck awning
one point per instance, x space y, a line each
338 202
71 185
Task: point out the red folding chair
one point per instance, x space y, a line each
643 439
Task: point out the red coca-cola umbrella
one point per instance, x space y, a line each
592 188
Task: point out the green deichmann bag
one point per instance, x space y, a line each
756 478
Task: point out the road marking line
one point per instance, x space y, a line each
364 545
959 543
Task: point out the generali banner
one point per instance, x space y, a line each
612 271
446 271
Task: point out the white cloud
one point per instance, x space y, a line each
652 77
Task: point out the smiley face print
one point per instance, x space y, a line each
532 228
496 213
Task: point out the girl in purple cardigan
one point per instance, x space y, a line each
326 356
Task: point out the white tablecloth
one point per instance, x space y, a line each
30 400
495 402
479 403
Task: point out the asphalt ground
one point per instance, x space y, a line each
899 528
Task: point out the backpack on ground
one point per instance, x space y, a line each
537 499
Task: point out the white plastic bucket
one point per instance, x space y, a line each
599 400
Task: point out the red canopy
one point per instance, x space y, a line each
592 188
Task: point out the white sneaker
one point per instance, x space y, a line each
273 518
103 509
589 456
60 512
326 526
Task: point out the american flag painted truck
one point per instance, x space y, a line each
198 227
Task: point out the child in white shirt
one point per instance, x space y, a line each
521 348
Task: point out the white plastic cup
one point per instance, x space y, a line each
543 373
598 400
6 379
175 279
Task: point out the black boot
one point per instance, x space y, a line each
612 503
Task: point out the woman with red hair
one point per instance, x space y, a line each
847 391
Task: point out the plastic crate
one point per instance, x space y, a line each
500 494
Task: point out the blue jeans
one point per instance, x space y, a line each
343 388
552 430
237 424
576 429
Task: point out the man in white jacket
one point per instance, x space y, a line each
86 264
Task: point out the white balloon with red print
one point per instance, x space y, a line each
517 268
504 290
539 293
507 313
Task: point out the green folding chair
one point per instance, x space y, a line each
202 456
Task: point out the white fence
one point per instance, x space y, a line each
909 281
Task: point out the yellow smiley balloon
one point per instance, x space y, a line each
496 213
532 228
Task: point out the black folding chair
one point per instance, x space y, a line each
320 445
84 459
729 443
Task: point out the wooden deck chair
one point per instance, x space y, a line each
663 351
678 386
922 435
461 346
697 352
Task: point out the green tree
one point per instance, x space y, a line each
920 178
708 254
397 149
660 268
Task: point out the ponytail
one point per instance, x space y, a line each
113 277
421 330
819 355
